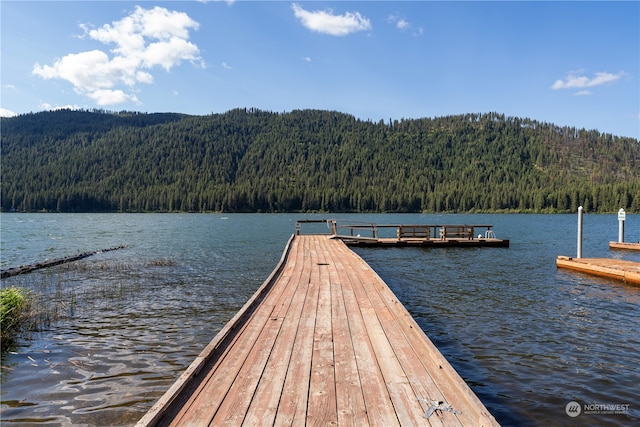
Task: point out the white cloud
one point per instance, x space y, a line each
306 58
405 26
582 92
226 66
402 24
579 82
324 21
399 22
88 71
48 107
145 39
111 97
6 113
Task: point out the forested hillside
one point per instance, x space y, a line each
249 160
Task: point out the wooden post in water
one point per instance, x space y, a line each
579 232
621 218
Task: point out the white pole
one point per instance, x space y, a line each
621 218
579 232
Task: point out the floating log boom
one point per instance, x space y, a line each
52 262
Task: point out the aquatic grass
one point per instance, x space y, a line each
77 289
14 302
41 305
161 262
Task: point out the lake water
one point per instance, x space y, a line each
527 337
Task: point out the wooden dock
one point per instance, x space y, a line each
627 271
629 246
323 341
424 242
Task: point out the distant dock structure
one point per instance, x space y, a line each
323 341
421 235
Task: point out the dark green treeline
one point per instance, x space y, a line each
249 160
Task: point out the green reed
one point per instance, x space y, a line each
13 304
80 288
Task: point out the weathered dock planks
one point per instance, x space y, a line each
323 341
627 271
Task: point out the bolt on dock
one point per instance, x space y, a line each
323 341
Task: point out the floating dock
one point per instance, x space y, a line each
625 245
422 235
627 271
323 341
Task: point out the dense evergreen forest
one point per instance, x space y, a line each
249 160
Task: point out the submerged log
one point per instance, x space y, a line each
50 263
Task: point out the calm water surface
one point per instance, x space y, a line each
527 337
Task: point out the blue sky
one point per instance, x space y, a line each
569 63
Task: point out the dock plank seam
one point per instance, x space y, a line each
376 393
292 408
349 396
322 403
408 407
264 410
417 338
